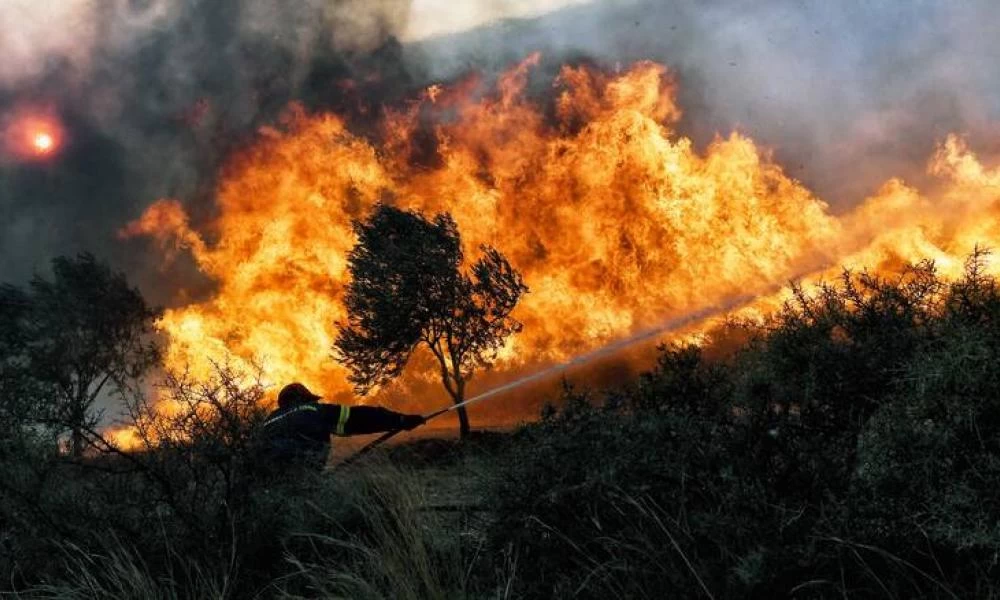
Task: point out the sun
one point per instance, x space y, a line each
43 142
32 133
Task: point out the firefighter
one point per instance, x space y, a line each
298 431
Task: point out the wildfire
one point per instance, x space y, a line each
616 222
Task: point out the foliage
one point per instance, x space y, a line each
20 394
120 570
408 289
188 485
67 340
682 378
849 449
190 510
933 449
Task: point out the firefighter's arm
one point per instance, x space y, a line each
356 420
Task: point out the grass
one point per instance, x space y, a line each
371 531
122 572
399 551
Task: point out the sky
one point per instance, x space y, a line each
433 18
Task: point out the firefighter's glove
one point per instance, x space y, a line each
409 422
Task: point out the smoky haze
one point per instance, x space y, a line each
154 94
847 93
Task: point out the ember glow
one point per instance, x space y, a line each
617 222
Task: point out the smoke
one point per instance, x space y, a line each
154 94
846 93
435 18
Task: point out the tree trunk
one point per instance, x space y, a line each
77 443
463 423
463 416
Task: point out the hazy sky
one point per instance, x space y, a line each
429 18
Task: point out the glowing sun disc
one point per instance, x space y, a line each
32 133
43 142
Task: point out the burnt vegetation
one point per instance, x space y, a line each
847 446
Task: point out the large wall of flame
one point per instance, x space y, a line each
615 220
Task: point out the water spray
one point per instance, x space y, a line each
606 350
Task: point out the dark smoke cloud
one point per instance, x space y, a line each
155 93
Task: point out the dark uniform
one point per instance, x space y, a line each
298 432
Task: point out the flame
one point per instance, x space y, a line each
616 222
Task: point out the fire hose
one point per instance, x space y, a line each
584 358
390 434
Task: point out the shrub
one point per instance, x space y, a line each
929 461
190 497
849 448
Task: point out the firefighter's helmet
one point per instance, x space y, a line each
294 394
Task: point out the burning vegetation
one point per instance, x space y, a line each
616 222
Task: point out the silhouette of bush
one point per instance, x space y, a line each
850 448
189 498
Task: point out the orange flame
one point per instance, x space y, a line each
616 222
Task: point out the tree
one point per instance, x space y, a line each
18 392
408 289
84 333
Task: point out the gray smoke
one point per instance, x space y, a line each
155 93
847 93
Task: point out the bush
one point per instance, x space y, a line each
930 458
190 512
851 447
597 502
190 497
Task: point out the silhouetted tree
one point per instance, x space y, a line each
67 340
408 288
18 391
